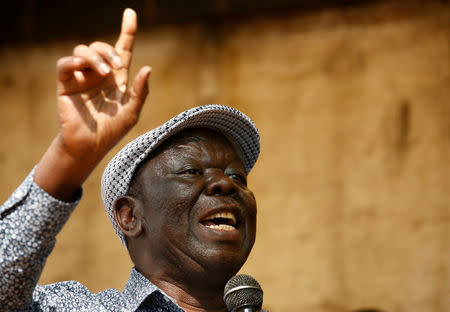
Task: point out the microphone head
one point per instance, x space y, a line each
243 291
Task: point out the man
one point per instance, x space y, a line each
176 196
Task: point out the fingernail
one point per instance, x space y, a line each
78 61
104 68
123 88
117 61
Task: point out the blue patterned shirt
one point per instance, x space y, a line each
29 222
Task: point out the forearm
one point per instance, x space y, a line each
29 223
61 174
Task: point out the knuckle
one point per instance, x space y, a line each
95 44
79 48
113 53
97 59
101 47
62 61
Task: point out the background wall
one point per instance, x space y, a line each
353 182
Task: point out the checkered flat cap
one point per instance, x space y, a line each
226 120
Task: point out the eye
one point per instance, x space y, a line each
239 178
192 171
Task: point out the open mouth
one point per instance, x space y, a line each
225 221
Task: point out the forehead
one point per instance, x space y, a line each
191 136
198 135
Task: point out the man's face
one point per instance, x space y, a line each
199 214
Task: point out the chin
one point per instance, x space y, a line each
224 265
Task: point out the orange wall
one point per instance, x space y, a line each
353 181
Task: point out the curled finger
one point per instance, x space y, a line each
66 66
108 53
95 60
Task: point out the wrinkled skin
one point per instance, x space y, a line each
184 182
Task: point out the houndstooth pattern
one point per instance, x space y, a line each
226 120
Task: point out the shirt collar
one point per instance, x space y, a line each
138 288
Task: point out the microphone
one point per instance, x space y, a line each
243 294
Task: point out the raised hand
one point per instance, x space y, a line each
96 108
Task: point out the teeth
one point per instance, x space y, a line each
224 227
225 215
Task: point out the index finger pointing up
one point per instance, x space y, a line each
124 45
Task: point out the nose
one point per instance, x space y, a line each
220 184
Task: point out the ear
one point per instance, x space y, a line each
128 215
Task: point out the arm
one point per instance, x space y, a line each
96 109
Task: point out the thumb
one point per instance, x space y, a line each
140 90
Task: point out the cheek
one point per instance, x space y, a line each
170 202
250 203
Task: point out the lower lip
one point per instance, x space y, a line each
218 234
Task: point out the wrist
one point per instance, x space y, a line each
61 173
